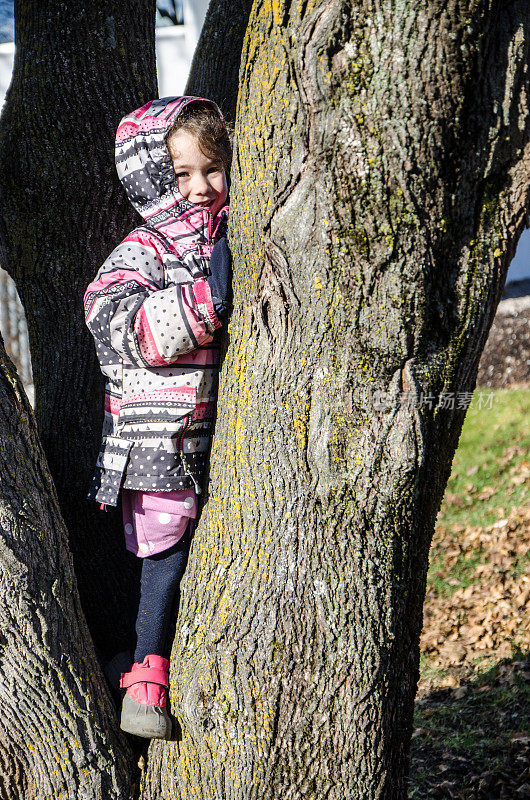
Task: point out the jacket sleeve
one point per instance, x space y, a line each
128 311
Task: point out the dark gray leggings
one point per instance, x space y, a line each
155 600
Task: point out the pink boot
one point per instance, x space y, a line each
143 711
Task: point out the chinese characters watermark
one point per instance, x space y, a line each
382 400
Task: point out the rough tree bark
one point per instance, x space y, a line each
380 184
59 733
78 69
215 69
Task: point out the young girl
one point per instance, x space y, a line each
155 308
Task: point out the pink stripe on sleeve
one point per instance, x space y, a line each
112 404
107 279
146 340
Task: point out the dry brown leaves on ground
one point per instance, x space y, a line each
488 617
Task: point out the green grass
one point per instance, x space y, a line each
486 434
444 580
430 672
519 566
473 731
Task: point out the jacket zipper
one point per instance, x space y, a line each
185 425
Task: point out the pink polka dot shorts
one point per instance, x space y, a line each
155 521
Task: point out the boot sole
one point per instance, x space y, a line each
140 724
146 733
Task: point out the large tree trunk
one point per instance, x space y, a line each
59 734
380 184
77 70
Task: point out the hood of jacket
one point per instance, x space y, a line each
145 169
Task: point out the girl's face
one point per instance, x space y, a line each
200 179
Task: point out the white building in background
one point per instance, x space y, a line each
520 267
175 46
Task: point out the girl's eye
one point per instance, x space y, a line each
214 169
182 174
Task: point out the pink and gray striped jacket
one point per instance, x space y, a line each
150 311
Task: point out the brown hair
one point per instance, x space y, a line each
210 129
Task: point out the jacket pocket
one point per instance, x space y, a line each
162 518
110 469
181 502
